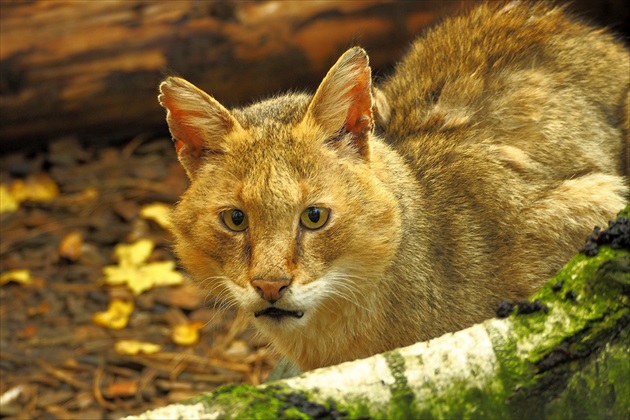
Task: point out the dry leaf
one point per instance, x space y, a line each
38 187
28 331
41 309
134 255
116 316
133 347
122 388
159 213
85 197
186 334
135 273
8 203
17 276
71 246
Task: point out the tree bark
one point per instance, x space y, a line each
566 355
92 68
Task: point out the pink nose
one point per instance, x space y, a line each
271 290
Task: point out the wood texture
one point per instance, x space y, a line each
92 68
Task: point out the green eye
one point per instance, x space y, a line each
235 220
314 217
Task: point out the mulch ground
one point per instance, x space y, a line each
56 361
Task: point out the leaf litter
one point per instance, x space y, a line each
96 318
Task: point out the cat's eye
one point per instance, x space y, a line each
314 217
235 220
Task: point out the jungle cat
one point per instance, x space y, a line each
500 145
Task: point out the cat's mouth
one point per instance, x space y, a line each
278 314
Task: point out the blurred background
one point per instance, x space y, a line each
96 319
90 69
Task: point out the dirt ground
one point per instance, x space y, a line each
74 341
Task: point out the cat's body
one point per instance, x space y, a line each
504 135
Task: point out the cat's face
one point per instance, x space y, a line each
281 206
284 216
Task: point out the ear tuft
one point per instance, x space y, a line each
343 102
198 123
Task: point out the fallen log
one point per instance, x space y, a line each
92 68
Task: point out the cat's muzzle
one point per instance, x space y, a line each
278 314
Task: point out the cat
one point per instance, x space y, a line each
361 218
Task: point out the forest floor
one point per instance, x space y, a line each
86 329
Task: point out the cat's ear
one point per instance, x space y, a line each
343 102
198 123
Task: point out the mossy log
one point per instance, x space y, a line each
563 354
92 68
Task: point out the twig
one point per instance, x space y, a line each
96 389
63 376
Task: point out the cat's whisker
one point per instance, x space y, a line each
349 299
341 287
221 301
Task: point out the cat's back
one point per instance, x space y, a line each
519 78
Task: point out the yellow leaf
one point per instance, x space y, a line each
133 271
116 316
133 347
135 254
8 203
160 213
138 283
38 187
186 334
162 273
17 276
115 274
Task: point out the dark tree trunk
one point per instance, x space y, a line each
92 68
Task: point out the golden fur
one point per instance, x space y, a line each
504 132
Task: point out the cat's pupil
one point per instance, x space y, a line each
237 217
314 214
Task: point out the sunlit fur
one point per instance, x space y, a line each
504 132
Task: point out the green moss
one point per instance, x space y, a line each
553 347
625 212
261 403
402 405
513 374
245 401
597 286
359 409
600 389
294 413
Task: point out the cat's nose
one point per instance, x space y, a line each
272 289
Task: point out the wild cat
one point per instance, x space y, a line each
502 137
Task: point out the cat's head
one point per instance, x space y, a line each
286 215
